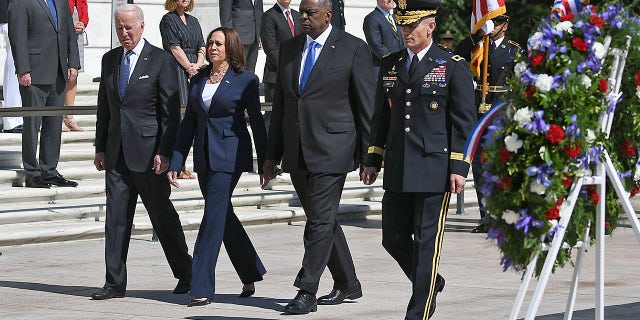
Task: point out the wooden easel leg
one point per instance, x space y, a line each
600 214
568 312
622 194
524 286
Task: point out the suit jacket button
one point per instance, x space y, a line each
408 90
445 149
407 129
408 103
407 116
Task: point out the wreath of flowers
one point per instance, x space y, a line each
549 135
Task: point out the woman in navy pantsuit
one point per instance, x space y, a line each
214 122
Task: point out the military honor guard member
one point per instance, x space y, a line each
502 54
424 112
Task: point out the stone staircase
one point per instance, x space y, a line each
58 214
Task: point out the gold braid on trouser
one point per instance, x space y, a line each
444 206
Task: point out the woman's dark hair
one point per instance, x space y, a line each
233 48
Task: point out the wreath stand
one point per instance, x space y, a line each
603 170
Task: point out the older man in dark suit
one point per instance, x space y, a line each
244 16
45 52
278 24
382 33
319 128
137 121
424 113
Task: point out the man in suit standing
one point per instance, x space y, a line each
45 51
381 31
502 55
278 24
319 128
10 84
424 113
244 16
137 121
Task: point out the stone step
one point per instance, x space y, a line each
91 227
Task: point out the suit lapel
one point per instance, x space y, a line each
48 12
144 60
295 79
225 84
325 56
117 74
403 73
199 89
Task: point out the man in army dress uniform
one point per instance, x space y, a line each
423 114
502 54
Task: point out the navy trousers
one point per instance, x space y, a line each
220 224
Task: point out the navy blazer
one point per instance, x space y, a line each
220 138
381 38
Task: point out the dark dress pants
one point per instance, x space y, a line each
220 224
37 95
324 241
123 187
422 215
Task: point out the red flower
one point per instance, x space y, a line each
603 86
627 149
572 151
537 59
566 181
579 44
504 154
567 17
635 190
505 183
555 134
595 197
596 21
638 79
552 213
607 224
528 93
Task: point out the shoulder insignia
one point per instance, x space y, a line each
515 44
457 58
442 47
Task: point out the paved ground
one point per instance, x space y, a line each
54 281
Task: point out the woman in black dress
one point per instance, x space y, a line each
182 37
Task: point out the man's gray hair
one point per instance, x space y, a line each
325 4
127 8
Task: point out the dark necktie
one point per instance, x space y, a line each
125 69
309 61
290 22
393 24
54 13
414 64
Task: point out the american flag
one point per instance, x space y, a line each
483 11
562 7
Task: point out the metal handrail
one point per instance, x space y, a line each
70 110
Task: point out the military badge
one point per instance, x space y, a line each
437 74
434 105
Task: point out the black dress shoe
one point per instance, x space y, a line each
337 296
247 291
60 181
16 129
182 287
36 182
303 303
481 228
107 293
198 302
438 288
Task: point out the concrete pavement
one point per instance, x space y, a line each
55 280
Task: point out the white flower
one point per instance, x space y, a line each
519 68
544 82
584 173
598 50
591 136
513 143
535 41
585 81
523 116
636 176
638 92
510 217
565 26
537 188
551 197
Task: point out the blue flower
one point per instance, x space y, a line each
541 173
573 130
538 123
